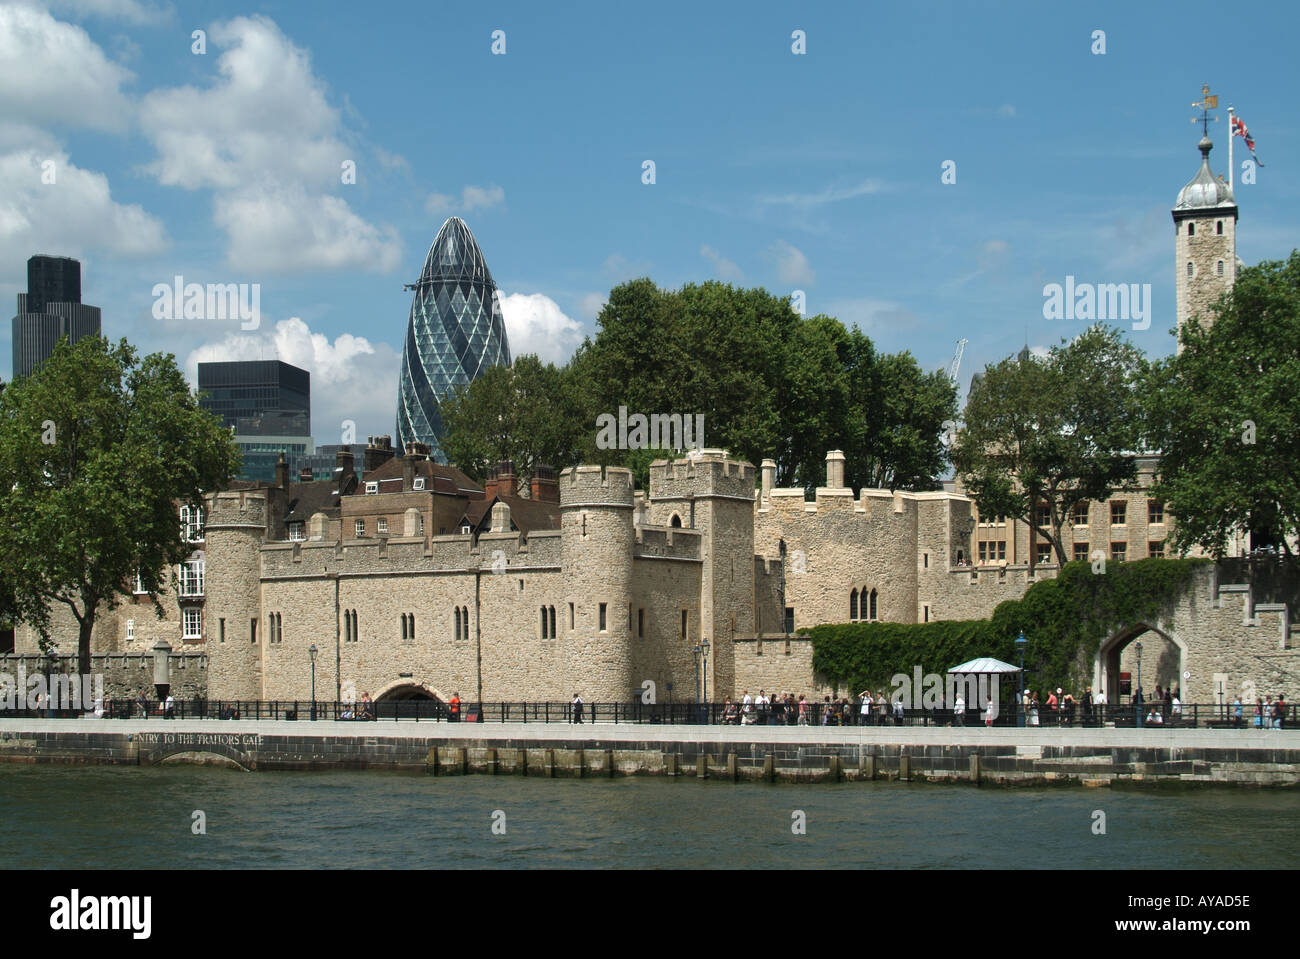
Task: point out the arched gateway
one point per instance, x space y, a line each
406 699
1163 660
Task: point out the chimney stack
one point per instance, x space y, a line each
545 487
305 475
769 480
344 468
835 469
379 450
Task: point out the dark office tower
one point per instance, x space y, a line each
455 333
268 404
50 308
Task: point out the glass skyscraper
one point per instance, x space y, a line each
456 331
50 308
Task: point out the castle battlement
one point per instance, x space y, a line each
596 486
667 542
702 473
457 553
237 508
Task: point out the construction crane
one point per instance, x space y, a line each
956 359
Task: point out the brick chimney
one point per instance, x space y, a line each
344 469
503 478
545 487
379 450
282 473
305 475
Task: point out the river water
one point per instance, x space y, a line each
128 817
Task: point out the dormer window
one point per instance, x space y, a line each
296 531
419 483
372 487
466 529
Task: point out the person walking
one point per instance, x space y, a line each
803 710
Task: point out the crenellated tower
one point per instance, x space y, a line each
598 540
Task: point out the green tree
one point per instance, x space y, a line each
1047 432
524 414
1225 415
901 413
97 448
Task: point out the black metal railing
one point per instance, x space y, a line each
1162 715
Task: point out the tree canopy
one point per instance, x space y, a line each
97 449
1225 414
768 382
1048 432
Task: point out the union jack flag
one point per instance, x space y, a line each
1239 129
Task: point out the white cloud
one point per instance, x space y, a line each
471 198
291 230
273 147
727 271
132 11
53 73
74 214
536 324
590 304
351 378
828 195
1006 110
791 264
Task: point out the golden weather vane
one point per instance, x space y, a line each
1207 103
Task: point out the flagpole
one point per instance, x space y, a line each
1231 137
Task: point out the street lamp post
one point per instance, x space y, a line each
696 650
1138 710
1021 643
704 674
311 653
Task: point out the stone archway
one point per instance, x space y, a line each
1164 660
407 699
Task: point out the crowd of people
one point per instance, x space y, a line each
786 709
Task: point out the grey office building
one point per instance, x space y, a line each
267 403
50 308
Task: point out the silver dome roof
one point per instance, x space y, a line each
1205 191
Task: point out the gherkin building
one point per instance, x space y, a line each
455 333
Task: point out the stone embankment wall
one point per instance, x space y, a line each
1012 758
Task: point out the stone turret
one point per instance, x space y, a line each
596 510
233 628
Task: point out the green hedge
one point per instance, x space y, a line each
1064 620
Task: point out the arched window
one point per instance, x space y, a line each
872 613
412 626
1191 229
1218 268
458 624
347 626
676 521
1189 268
544 633
1218 227
552 612
404 633
853 605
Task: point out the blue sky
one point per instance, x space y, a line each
819 172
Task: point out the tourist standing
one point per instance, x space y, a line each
990 713
899 713
453 714
959 710
142 701
1237 712
803 710
577 709
864 709
1087 706
169 708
